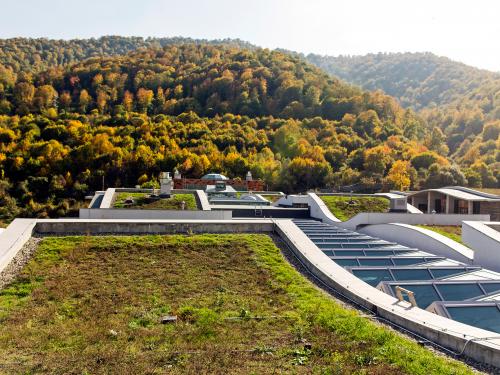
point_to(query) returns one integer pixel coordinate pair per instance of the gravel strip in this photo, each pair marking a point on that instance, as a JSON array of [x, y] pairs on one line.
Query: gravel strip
[[22, 257]]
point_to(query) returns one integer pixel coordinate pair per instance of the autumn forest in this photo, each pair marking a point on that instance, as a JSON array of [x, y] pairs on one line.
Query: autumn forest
[[75, 115]]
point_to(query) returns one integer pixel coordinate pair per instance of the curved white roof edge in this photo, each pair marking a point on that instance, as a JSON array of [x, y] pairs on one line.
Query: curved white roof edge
[[476, 343], [485, 228], [458, 247], [460, 193]]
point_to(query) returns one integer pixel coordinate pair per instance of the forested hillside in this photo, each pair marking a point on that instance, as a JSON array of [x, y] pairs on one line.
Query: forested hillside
[[203, 107], [464, 102], [36, 55]]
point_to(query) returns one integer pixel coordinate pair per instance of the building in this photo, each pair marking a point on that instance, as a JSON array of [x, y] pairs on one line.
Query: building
[[456, 200], [221, 190], [248, 184]]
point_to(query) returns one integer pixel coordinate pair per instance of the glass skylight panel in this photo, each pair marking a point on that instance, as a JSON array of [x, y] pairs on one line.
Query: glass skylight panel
[[444, 272], [375, 262], [406, 261], [348, 253], [346, 262], [459, 292], [486, 317], [381, 252], [490, 287], [373, 277], [411, 274], [424, 294]]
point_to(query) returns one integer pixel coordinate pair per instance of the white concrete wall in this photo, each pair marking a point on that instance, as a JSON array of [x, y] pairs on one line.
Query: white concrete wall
[[120, 213], [476, 343], [370, 218], [485, 241], [423, 239], [203, 200], [108, 199], [319, 210], [13, 238]]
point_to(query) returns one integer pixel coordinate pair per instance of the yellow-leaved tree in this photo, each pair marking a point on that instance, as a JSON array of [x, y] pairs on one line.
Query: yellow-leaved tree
[[399, 175]]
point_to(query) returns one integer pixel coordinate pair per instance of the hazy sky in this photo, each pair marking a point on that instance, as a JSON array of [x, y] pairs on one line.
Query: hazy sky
[[464, 30]]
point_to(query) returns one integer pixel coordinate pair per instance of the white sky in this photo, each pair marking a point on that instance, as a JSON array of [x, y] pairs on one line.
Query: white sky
[[464, 30]]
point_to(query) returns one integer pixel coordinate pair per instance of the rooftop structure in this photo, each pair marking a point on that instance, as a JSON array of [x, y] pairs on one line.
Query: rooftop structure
[[456, 200], [220, 189], [215, 177]]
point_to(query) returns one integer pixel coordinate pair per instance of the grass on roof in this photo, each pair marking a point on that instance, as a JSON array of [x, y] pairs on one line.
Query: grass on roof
[[341, 207], [451, 231], [92, 305], [141, 202], [495, 191]]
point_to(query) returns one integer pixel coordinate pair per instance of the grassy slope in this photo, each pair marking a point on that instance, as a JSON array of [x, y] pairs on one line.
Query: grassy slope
[[172, 203], [340, 207], [451, 231], [91, 305]]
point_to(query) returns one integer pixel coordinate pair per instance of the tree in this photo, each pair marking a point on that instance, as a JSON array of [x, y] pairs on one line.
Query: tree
[[102, 100], [440, 176], [399, 175], [45, 97], [302, 174], [376, 160], [437, 141], [23, 96], [144, 99], [84, 100], [65, 100], [128, 101]]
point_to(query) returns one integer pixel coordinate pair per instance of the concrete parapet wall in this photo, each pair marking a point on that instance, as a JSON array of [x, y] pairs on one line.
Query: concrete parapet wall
[[478, 344], [423, 239], [132, 227], [120, 213], [485, 241]]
